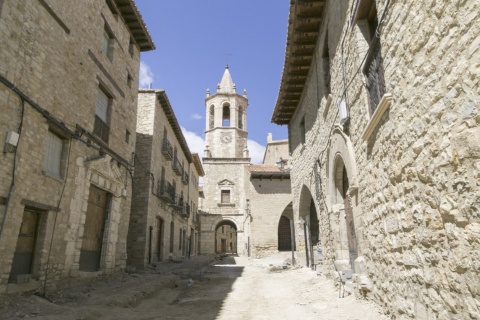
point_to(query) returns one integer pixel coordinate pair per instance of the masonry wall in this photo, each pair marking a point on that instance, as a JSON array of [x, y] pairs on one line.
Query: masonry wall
[[147, 206], [414, 181], [53, 56], [269, 200]]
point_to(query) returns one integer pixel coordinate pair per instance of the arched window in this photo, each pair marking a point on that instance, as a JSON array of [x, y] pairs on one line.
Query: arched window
[[211, 122], [240, 118], [226, 115]]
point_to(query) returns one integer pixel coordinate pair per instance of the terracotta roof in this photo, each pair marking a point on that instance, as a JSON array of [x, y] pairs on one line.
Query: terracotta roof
[[304, 21], [267, 171], [134, 21]]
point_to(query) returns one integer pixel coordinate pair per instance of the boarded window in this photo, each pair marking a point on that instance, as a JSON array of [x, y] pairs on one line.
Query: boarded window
[[53, 154], [225, 196]]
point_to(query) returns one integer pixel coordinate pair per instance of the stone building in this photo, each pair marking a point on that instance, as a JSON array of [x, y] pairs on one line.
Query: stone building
[[242, 204], [164, 219], [225, 157], [381, 100], [270, 201], [68, 95]]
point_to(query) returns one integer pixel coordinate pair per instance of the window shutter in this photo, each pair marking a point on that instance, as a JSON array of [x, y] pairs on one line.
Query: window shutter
[[102, 105], [53, 155]]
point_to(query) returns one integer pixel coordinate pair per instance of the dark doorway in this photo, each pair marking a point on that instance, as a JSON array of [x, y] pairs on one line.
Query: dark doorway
[[226, 237], [158, 253], [23, 258], [284, 234], [91, 252]]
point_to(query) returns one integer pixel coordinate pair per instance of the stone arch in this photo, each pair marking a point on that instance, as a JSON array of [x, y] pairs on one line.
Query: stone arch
[[308, 226], [284, 231], [226, 239], [226, 114], [342, 185]]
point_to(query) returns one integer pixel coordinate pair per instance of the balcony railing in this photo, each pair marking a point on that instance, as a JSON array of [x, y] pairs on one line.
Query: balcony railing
[[177, 166], [165, 190], [185, 178], [374, 75], [167, 149]]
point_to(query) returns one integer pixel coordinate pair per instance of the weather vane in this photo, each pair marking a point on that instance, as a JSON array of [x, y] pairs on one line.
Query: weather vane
[[226, 55]]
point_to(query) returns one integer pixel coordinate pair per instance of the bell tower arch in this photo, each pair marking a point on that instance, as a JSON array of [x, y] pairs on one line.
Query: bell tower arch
[[226, 127]]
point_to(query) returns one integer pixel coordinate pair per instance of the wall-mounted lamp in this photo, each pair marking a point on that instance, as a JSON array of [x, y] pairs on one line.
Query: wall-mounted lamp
[[281, 163]]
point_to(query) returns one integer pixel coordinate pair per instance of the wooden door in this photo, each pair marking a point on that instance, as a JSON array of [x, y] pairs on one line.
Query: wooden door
[[284, 234], [24, 252], [91, 251]]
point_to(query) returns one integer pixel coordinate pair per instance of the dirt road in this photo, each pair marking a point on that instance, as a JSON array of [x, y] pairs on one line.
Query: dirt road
[[232, 288]]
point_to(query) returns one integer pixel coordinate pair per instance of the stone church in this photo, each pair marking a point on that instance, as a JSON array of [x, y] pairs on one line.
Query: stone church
[[243, 204]]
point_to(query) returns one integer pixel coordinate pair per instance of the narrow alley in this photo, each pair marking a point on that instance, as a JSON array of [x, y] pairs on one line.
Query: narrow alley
[[199, 288]]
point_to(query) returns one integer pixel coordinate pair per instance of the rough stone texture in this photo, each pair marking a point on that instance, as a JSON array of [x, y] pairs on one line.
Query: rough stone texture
[[54, 57], [149, 208], [414, 185]]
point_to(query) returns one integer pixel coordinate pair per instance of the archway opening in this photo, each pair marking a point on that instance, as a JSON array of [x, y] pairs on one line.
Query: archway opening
[[226, 115], [342, 186], [311, 227], [285, 228], [226, 237]]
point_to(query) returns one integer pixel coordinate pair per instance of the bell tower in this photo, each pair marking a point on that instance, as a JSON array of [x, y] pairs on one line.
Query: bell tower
[[226, 121]]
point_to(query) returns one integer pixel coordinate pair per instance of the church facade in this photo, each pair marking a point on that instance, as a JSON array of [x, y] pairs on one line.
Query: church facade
[[238, 214]]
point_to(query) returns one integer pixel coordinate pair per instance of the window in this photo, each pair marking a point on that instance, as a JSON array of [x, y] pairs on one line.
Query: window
[[107, 43], [225, 196], [326, 67], [53, 155], [302, 130], [129, 80], [212, 118], [367, 22], [226, 116], [127, 136], [131, 47], [101, 128]]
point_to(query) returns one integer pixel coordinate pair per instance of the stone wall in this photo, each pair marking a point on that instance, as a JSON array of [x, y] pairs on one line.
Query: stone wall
[[413, 180], [51, 54], [148, 206]]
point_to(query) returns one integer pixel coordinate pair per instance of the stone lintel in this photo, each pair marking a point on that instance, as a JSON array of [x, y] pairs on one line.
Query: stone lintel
[[38, 205]]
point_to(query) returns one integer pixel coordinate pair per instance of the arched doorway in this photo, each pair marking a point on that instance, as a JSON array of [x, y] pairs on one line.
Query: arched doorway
[[226, 237], [285, 226], [310, 225], [342, 186]]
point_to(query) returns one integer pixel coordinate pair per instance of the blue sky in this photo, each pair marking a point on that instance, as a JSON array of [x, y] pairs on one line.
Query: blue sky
[[196, 39]]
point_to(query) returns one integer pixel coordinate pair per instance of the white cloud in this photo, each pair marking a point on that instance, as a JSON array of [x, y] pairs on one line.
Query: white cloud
[[196, 116], [256, 151], [146, 75], [195, 142]]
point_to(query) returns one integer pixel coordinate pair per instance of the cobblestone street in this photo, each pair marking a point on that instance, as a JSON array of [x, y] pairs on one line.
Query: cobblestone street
[[231, 288]]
